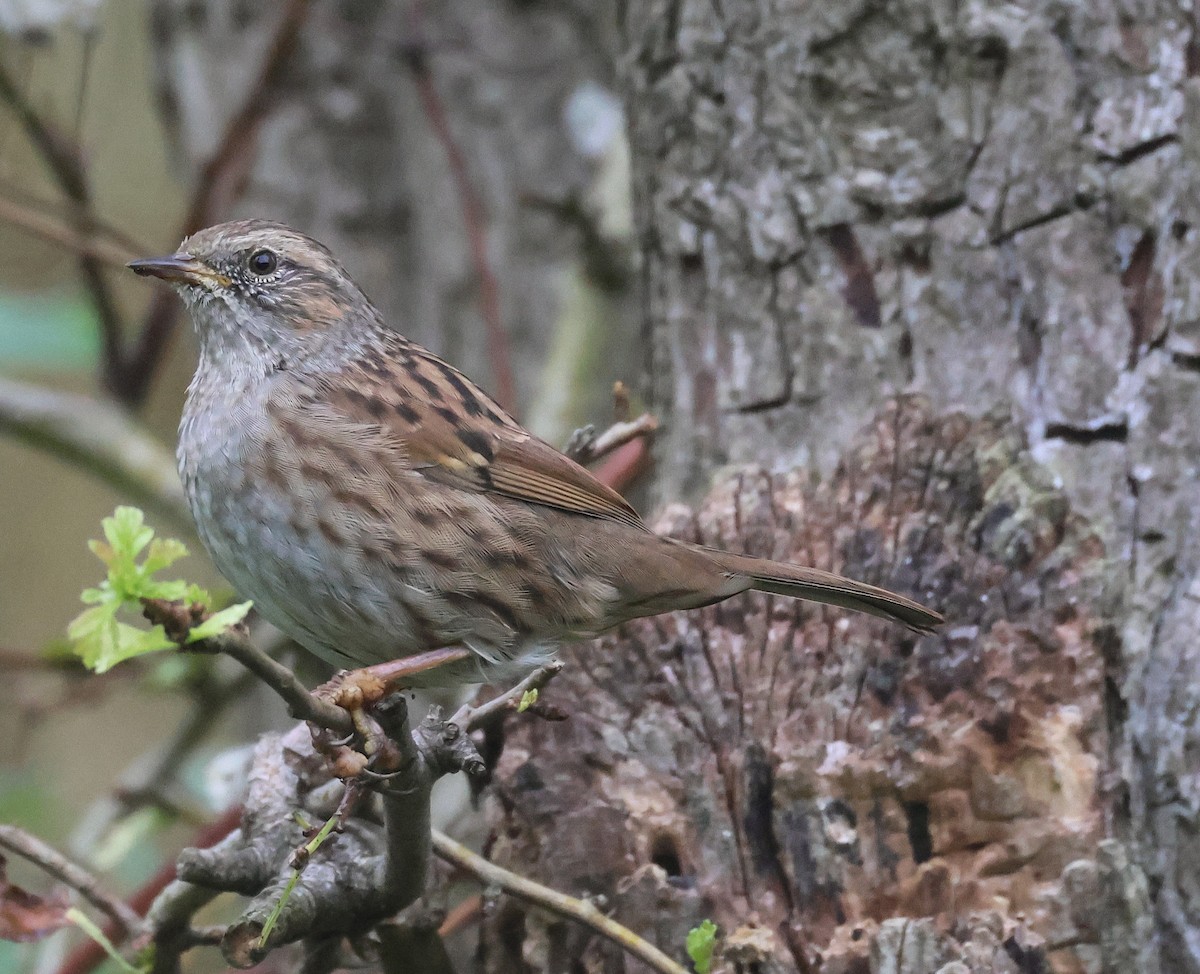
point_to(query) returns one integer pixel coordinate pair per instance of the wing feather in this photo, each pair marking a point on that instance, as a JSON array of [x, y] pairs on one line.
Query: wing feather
[[450, 430]]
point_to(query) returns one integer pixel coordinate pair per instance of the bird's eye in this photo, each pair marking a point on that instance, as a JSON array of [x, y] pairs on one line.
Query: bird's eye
[[262, 262]]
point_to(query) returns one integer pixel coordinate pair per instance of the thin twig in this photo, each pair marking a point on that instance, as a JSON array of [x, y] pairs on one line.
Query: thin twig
[[61, 868], [469, 718], [587, 446], [89, 955], [63, 158], [472, 216], [468, 912], [566, 906], [84, 241], [220, 182], [235, 643]]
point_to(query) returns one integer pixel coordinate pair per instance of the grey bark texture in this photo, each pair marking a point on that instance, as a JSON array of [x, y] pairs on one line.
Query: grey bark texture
[[995, 206]]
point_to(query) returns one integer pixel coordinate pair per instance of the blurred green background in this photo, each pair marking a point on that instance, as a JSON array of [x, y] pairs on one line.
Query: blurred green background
[[65, 735]]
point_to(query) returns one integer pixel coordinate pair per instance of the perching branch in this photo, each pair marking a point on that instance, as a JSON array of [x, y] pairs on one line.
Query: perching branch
[[570, 907], [177, 619], [470, 718], [63, 869], [359, 876]]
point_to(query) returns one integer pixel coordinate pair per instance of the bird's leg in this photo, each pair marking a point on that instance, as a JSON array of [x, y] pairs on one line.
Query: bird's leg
[[354, 689], [360, 692]]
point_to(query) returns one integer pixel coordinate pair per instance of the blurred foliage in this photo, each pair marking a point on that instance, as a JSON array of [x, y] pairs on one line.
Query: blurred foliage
[[47, 331]]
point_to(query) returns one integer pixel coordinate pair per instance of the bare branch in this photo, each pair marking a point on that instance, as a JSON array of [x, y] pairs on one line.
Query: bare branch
[[586, 446], [62, 156], [97, 437], [469, 718], [64, 870], [566, 906], [177, 619], [92, 242]]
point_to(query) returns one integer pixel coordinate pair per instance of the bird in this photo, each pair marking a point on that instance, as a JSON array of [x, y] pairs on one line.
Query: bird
[[375, 503]]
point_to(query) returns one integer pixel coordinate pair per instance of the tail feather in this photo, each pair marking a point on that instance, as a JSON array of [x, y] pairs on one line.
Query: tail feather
[[798, 582]]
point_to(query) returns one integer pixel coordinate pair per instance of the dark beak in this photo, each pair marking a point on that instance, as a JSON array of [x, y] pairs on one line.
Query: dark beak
[[179, 269]]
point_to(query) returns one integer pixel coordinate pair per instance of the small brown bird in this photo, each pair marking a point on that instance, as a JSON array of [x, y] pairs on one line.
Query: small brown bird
[[375, 503]]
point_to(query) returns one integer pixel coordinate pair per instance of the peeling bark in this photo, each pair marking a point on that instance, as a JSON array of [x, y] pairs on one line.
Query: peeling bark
[[812, 777]]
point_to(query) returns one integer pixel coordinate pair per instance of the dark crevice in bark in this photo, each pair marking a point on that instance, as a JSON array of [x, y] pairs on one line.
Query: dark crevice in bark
[[1135, 152], [859, 286], [1113, 432], [916, 815], [1057, 213], [1143, 295]]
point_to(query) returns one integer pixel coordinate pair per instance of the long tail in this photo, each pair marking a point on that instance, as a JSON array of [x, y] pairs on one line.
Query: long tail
[[798, 582]]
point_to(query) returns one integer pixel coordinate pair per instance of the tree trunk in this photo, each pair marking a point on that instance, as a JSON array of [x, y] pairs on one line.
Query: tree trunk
[[994, 207]]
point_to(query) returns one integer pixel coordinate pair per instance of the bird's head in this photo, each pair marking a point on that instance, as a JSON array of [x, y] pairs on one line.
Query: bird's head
[[260, 283]]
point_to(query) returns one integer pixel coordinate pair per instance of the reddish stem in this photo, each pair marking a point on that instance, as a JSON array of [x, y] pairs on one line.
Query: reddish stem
[[473, 224]]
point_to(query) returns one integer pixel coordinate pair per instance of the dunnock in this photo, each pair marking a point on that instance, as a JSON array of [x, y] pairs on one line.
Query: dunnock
[[375, 503]]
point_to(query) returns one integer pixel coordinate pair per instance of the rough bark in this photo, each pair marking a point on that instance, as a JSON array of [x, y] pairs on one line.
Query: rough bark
[[995, 205], [807, 779]]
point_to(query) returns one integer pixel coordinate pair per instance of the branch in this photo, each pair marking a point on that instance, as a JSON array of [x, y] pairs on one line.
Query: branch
[[168, 923], [469, 718], [566, 906], [99, 438], [355, 878], [177, 619], [161, 893], [586, 446], [62, 156], [221, 181], [61, 868], [101, 244]]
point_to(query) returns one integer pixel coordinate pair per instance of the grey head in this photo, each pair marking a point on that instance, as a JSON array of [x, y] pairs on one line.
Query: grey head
[[254, 286]]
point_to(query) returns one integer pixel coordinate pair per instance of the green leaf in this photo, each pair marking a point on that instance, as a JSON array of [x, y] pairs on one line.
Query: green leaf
[[102, 551], [528, 699], [127, 532], [119, 641], [218, 622], [150, 588], [93, 633], [194, 593], [98, 635], [701, 941], [163, 553]]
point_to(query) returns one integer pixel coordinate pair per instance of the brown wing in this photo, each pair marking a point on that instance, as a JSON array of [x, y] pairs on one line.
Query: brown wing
[[453, 432]]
